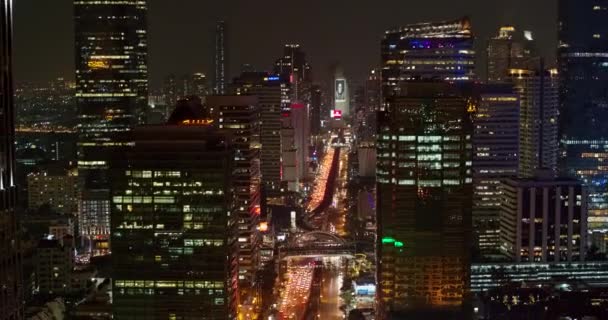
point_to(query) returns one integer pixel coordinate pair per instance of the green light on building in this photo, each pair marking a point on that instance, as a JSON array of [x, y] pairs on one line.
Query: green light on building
[[398, 244], [387, 240]]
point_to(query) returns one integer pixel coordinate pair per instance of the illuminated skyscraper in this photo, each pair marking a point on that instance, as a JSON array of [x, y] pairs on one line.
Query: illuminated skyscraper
[[424, 199], [272, 93], [221, 59], [171, 209], [111, 95], [538, 95], [583, 73], [509, 49], [434, 50], [11, 289], [495, 158]]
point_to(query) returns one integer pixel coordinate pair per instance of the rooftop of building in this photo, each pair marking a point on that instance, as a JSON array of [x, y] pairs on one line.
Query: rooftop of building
[[439, 29], [188, 108], [543, 177]]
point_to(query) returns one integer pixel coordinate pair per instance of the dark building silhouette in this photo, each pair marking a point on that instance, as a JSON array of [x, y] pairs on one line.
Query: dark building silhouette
[[11, 290], [171, 205], [583, 74], [424, 199]]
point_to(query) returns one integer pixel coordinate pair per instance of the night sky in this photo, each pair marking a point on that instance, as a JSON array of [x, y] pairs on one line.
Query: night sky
[[349, 32]]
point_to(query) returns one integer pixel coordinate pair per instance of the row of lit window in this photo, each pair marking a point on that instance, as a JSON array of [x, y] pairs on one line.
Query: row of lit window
[[168, 284]]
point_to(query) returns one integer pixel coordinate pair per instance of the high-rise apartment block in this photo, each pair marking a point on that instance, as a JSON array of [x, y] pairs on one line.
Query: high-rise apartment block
[[56, 187]]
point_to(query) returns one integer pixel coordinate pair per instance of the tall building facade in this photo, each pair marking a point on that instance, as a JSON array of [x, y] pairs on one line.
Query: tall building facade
[[272, 94], [539, 103], [221, 59], [111, 97], [54, 264], [11, 288], [301, 125], [238, 117], [583, 73], [543, 219], [434, 50], [424, 199], [495, 158], [172, 210], [509, 49]]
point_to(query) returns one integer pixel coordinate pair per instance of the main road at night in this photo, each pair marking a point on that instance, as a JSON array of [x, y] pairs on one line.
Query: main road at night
[[308, 294]]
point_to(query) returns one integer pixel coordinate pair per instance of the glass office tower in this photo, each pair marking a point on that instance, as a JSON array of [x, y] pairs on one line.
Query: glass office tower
[[424, 199], [111, 95], [583, 72], [172, 209], [432, 50]]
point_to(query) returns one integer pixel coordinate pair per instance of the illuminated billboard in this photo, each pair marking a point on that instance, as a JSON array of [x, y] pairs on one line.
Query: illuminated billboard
[[336, 114], [340, 87]]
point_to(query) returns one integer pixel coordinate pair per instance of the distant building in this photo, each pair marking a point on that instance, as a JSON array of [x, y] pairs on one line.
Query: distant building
[[509, 49], [289, 165], [177, 88], [293, 67], [424, 198], [543, 219], [221, 73], [341, 95], [56, 187], [300, 121], [171, 219], [315, 110]]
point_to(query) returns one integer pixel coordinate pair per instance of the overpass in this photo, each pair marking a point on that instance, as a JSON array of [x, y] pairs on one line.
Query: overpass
[[316, 244]]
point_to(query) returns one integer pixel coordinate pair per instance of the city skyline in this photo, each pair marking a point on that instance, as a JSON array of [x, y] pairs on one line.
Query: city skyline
[[395, 160], [343, 32]]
